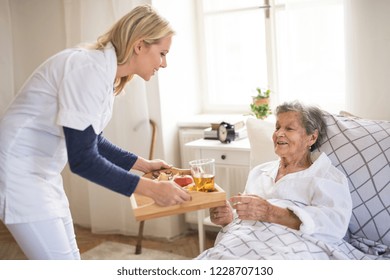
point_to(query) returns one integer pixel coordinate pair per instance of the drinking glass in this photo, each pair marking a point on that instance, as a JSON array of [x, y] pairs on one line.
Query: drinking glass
[[203, 172]]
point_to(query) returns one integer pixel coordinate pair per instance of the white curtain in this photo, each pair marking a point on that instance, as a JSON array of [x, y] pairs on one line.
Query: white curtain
[[367, 40], [31, 31], [6, 57]]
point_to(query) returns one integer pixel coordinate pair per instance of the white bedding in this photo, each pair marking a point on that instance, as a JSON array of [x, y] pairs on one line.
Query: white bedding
[[258, 240]]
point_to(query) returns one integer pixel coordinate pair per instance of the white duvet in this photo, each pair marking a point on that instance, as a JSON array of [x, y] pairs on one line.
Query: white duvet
[[253, 240]]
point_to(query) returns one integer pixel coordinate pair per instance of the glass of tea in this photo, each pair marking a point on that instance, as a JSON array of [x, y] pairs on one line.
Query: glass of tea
[[203, 172]]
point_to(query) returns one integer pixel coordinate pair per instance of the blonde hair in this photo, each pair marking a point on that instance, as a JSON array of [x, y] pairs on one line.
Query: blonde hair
[[143, 22]]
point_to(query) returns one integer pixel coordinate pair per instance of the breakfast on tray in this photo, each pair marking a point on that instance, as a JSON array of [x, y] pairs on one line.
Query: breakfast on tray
[[183, 178], [203, 196]]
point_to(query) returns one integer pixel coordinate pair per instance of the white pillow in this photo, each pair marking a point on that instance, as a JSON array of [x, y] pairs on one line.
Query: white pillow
[[260, 140], [360, 148]]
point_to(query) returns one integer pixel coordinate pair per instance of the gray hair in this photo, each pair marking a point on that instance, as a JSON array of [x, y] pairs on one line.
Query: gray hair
[[311, 118]]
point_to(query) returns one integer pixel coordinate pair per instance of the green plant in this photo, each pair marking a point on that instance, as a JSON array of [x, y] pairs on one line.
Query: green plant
[[260, 105], [262, 94]]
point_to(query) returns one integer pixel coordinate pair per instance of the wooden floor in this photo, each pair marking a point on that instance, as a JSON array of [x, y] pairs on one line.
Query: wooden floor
[[186, 245]]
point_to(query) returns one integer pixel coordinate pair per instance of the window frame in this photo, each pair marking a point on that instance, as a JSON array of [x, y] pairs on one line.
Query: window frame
[[272, 56], [270, 41]]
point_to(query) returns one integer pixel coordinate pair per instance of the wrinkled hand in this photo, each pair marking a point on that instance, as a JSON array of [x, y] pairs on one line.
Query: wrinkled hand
[[251, 207], [168, 193], [221, 215]]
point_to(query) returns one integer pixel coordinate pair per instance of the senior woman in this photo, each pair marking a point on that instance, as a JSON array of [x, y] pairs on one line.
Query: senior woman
[[296, 207]]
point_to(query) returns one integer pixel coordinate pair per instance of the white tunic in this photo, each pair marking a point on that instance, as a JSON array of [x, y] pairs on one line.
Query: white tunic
[[74, 88], [319, 196]]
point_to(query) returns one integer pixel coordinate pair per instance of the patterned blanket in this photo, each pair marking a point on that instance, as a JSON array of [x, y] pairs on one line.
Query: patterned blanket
[[259, 240]]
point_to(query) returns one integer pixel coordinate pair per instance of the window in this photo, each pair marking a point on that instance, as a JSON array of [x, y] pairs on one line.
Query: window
[[295, 48]]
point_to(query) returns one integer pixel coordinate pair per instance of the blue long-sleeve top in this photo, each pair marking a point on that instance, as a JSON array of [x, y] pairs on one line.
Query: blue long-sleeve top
[[93, 157]]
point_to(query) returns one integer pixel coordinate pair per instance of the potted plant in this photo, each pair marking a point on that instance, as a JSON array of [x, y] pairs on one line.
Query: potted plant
[[260, 103]]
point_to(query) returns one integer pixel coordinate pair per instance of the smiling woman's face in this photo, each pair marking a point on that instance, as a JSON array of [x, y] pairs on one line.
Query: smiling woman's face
[[148, 59], [290, 138]]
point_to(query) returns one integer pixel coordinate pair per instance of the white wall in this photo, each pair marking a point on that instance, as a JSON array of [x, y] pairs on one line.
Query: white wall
[[368, 58], [178, 90]]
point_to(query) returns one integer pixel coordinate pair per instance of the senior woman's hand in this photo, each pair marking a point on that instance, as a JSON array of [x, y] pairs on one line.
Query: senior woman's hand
[[221, 215], [253, 207]]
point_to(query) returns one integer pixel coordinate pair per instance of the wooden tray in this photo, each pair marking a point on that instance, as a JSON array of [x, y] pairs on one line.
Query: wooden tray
[[144, 208]]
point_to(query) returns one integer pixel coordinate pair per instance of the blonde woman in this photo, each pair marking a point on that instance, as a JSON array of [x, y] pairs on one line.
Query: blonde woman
[[59, 115]]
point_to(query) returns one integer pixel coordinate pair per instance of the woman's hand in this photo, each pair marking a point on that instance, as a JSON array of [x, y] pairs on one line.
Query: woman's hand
[[157, 164], [253, 207], [164, 193], [169, 193], [221, 215], [147, 166]]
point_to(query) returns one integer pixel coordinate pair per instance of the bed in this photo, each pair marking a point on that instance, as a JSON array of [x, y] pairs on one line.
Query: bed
[[360, 148]]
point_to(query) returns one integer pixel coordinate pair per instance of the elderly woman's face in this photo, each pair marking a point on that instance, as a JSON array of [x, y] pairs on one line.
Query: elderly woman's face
[[290, 138]]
